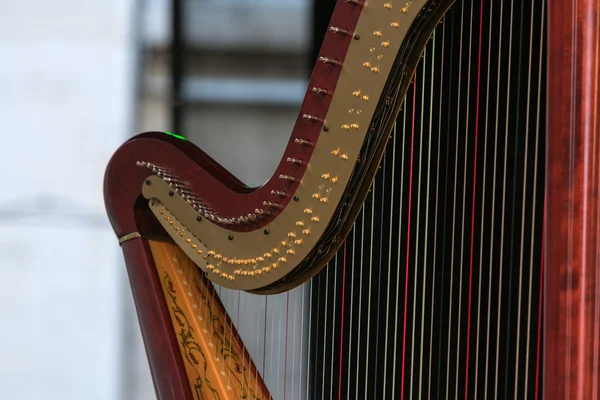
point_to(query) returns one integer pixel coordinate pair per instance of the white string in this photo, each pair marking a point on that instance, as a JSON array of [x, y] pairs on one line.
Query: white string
[[387, 311], [294, 292], [362, 246], [309, 336], [351, 304], [462, 234], [416, 278], [257, 341], [333, 327], [427, 210], [483, 197], [489, 313], [535, 165], [369, 295], [399, 247], [437, 182], [523, 200], [303, 289], [325, 329], [279, 342], [503, 208], [454, 222]]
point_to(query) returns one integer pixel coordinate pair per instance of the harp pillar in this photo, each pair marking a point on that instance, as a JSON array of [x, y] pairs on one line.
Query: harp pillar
[[572, 232]]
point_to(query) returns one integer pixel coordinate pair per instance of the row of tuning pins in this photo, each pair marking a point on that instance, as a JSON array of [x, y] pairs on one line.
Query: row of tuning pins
[[179, 188], [191, 199]]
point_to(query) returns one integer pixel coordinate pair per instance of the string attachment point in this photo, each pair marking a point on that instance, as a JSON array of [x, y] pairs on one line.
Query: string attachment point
[[310, 117], [327, 60], [303, 142], [294, 161], [270, 204], [320, 91], [287, 178], [279, 193], [341, 31]]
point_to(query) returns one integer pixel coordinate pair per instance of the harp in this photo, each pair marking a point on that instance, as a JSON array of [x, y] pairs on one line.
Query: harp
[[432, 230]]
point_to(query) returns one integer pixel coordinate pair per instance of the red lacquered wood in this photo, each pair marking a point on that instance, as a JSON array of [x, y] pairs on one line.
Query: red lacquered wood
[[217, 188], [572, 291], [168, 373]]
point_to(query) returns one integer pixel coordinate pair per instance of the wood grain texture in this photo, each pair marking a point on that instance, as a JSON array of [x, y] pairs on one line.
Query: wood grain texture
[[218, 366], [166, 365], [572, 265]]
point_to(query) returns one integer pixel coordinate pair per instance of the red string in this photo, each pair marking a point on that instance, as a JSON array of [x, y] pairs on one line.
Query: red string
[[473, 203], [412, 143], [342, 325], [539, 336]]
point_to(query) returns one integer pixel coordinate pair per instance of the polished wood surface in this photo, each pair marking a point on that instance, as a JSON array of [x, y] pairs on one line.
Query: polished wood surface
[[217, 364], [572, 234], [225, 194], [166, 365]]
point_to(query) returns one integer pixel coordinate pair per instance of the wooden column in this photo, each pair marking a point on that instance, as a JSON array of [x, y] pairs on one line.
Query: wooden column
[[572, 234]]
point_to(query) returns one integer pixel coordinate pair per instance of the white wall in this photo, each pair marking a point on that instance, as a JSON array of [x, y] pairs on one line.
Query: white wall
[[66, 96]]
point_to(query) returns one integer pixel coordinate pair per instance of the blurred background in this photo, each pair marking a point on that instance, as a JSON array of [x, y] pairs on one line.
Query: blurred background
[[77, 79]]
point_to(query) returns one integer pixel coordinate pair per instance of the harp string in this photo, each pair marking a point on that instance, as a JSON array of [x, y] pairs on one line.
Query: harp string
[[332, 360], [450, 330], [513, 221], [464, 194], [380, 258], [368, 342], [493, 219], [418, 225], [325, 330], [387, 308], [264, 342], [445, 218], [437, 182], [350, 348], [473, 200], [285, 358], [429, 142], [301, 353], [483, 198], [523, 213], [399, 236], [342, 324], [429, 355], [412, 143], [539, 331], [535, 174], [362, 247], [503, 213], [310, 318]]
